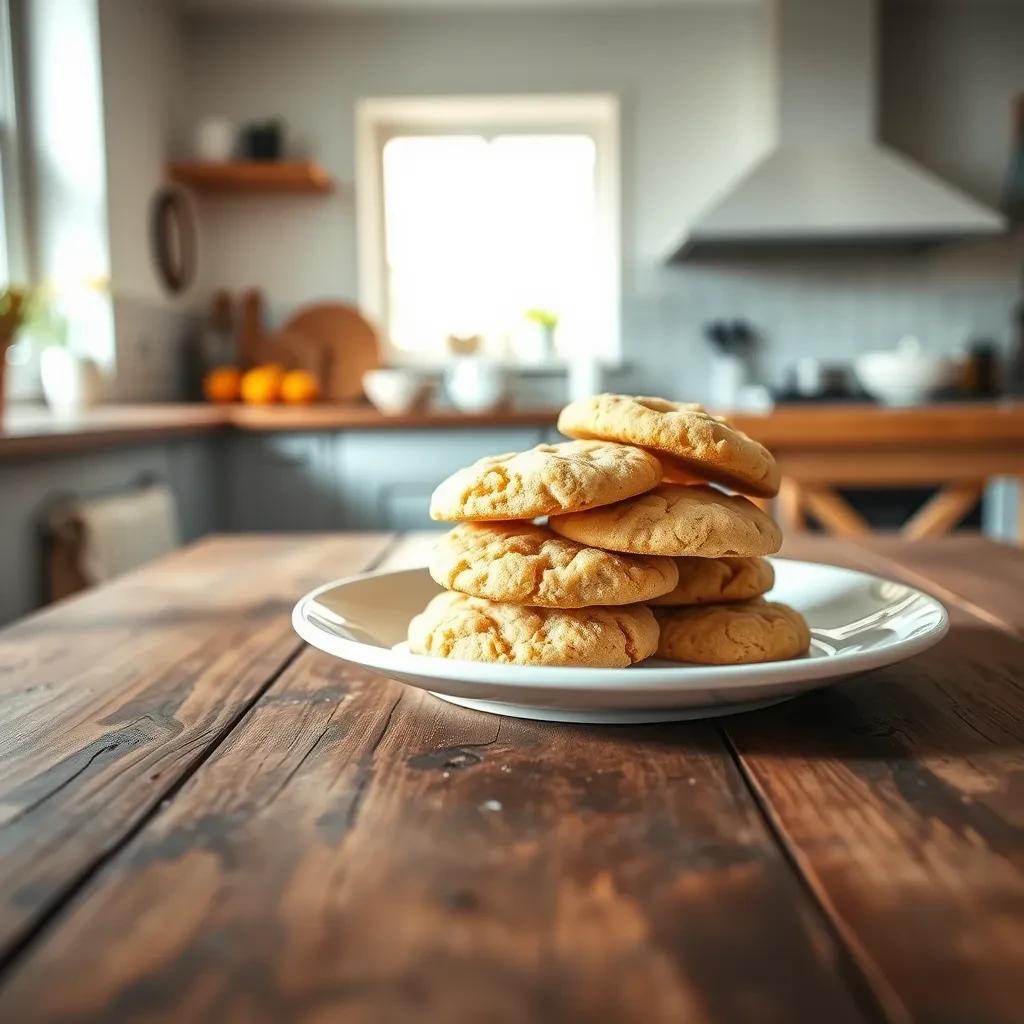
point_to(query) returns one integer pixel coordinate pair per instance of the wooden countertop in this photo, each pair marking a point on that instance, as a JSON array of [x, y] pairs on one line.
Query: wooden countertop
[[36, 432], [787, 426], [839, 425], [204, 819]]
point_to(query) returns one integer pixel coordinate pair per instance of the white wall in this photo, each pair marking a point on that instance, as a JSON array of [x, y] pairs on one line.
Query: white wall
[[143, 96], [689, 79]]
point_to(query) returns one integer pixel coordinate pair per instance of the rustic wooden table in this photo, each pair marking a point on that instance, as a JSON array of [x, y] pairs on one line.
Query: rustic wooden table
[[205, 820]]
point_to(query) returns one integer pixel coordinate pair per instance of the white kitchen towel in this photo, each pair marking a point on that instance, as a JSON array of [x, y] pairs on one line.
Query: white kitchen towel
[[120, 532]]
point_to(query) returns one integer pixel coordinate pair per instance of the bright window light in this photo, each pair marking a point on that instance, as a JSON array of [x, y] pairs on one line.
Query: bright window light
[[480, 229]]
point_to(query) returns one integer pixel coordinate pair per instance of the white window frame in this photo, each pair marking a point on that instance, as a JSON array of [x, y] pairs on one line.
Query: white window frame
[[378, 120], [23, 383], [12, 230]]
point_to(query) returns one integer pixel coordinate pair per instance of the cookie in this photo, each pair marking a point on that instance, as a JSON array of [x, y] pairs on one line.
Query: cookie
[[472, 629], [733, 634], [675, 520], [689, 440], [548, 479], [717, 580], [525, 564]]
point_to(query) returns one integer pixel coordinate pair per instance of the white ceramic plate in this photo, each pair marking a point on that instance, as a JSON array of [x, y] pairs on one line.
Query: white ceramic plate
[[858, 622]]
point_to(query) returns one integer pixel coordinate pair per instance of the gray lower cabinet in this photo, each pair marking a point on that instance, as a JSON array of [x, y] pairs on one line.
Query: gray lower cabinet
[[387, 476], [282, 482], [30, 488], [356, 480]]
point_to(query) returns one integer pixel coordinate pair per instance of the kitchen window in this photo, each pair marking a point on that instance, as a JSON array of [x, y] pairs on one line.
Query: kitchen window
[[491, 217]]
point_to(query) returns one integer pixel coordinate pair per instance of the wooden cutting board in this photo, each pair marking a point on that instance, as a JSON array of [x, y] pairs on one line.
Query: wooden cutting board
[[351, 342], [293, 352]]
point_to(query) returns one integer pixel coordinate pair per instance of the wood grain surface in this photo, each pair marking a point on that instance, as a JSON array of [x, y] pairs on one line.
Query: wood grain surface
[[108, 700], [326, 845]]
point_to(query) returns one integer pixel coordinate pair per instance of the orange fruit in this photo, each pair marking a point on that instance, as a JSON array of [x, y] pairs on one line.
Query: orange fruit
[[222, 384], [299, 387], [262, 384]]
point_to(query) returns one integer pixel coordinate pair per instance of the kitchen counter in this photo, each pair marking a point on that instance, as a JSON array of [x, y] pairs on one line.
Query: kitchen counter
[[31, 432], [36, 432], [206, 819], [820, 448]]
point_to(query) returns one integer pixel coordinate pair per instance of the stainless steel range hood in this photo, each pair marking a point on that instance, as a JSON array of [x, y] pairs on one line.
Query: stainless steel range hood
[[827, 182]]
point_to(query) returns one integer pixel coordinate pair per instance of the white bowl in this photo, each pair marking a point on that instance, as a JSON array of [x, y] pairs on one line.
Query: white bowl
[[905, 375], [858, 622], [394, 391]]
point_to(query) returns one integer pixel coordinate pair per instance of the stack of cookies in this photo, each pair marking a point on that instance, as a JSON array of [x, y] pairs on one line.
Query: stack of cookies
[[640, 555]]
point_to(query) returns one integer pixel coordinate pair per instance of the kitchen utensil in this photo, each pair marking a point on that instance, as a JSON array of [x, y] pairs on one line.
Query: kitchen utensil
[[395, 390], [212, 345], [292, 351], [732, 362], [250, 327], [731, 337], [906, 375], [981, 369], [858, 622], [350, 341]]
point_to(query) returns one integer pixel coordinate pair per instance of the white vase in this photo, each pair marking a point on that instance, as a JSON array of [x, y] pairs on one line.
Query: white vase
[[70, 382], [585, 377], [215, 140], [474, 384], [729, 375]]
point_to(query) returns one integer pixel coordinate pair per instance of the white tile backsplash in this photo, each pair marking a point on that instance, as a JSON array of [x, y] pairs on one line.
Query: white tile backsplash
[[832, 308]]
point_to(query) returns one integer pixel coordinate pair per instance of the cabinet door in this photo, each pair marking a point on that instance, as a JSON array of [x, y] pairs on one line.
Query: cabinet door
[[387, 476], [30, 488], [282, 482]]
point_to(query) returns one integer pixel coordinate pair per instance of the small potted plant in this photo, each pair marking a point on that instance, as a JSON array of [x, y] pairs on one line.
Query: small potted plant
[[547, 324], [13, 308]]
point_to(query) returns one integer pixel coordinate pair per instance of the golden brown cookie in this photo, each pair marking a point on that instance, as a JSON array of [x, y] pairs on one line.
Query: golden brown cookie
[[550, 478], [676, 520], [472, 629], [688, 439], [521, 563], [733, 634], [718, 580]]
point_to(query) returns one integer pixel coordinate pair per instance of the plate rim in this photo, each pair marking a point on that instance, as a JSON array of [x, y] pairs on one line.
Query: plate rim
[[670, 678]]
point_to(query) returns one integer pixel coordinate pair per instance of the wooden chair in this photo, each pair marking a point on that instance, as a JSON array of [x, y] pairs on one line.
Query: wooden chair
[[939, 515]]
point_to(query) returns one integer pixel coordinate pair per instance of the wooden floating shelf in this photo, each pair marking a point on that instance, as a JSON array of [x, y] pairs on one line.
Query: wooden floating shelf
[[253, 176]]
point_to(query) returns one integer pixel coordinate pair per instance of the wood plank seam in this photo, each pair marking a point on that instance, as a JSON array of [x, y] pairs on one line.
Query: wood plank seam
[[888, 996], [867, 984], [10, 956]]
